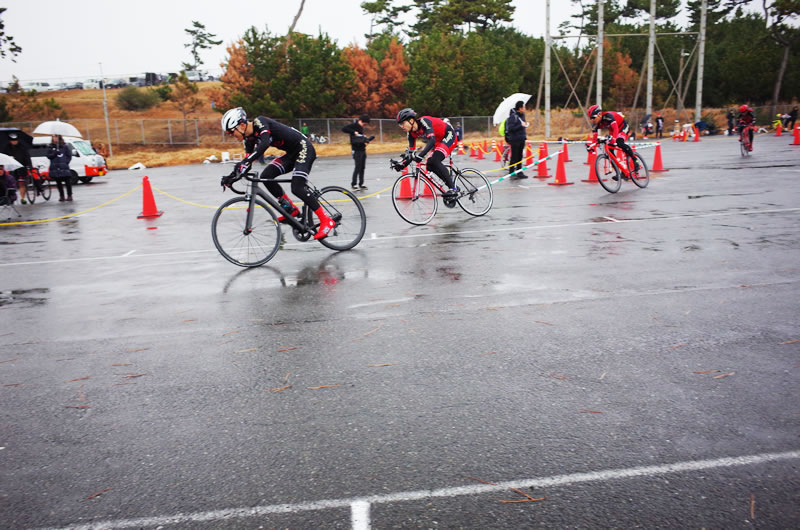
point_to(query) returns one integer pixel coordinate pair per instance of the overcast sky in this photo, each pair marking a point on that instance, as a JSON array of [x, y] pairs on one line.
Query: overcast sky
[[68, 40]]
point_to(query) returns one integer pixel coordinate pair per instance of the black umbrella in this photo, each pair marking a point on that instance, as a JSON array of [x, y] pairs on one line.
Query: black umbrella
[[24, 137]]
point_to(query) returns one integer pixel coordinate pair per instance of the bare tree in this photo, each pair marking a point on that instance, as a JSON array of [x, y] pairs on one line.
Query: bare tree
[[291, 29]]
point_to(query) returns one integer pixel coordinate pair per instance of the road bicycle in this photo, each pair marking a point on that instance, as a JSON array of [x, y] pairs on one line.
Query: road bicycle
[[414, 195], [36, 183], [247, 233], [505, 156], [745, 141], [613, 164]]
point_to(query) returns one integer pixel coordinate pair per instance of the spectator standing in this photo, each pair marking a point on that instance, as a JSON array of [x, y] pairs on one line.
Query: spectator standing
[[659, 126], [60, 155], [516, 134], [731, 117], [792, 119], [459, 133], [304, 129], [358, 144], [7, 182], [18, 151]]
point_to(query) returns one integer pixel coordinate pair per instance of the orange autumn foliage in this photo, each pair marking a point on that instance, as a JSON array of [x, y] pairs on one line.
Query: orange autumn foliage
[[237, 76]]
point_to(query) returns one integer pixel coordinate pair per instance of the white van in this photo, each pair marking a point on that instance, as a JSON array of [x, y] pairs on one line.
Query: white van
[[39, 86], [85, 164]]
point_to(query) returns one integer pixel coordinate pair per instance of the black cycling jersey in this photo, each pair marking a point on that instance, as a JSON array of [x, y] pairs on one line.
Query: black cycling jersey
[[268, 132]]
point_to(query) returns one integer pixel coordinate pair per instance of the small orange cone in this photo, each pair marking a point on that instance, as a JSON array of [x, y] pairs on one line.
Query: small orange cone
[[405, 188], [544, 150], [485, 147], [561, 175], [148, 201], [566, 151], [541, 169], [779, 131], [696, 134], [479, 150], [472, 150], [796, 136], [461, 148], [589, 159], [528, 155], [497, 156], [658, 166], [592, 173]]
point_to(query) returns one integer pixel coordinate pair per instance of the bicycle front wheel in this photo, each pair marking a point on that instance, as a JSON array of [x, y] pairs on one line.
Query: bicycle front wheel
[[238, 244], [348, 214], [414, 199], [642, 177], [30, 189], [475, 193], [607, 173]]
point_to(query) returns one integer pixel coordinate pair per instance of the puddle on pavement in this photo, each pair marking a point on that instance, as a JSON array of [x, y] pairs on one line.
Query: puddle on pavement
[[23, 296]]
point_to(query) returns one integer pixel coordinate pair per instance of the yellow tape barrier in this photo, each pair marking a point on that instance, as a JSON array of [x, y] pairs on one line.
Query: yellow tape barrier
[[72, 214]]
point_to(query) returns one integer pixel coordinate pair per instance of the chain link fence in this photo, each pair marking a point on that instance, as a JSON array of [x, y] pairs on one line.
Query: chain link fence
[[200, 132]]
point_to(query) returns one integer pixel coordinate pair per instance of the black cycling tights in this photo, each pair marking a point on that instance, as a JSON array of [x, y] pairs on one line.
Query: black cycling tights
[[625, 148], [435, 165], [299, 188]]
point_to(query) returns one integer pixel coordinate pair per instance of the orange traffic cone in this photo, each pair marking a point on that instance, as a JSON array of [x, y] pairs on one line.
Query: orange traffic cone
[[528, 155], [592, 173], [589, 159], [796, 136], [148, 201], [461, 148], [479, 150], [485, 147], [541, 170], [566, 151], [405, 188], [405, 171], [544, 149], [561, 175], [696, 134], [472, 150], [658, 166], [497, 156], [778, 131]]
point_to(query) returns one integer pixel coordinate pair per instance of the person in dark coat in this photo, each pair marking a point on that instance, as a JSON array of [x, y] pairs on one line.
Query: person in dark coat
[[792, 119], [60, 155], [731, 117], [358, 143], [516, 135], [19, 152]]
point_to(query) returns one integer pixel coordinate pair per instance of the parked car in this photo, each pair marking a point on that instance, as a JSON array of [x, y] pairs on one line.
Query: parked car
[[75, 85], [39, 86], [116, 83], [85, 164]]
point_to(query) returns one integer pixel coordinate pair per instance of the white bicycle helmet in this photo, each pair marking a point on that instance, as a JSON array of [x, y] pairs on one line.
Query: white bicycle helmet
[[233, 118]]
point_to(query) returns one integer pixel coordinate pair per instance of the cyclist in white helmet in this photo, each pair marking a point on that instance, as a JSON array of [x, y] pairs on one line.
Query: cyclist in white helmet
[[258, 135]]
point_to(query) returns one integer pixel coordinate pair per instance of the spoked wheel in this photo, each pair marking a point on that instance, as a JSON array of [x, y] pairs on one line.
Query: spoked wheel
[[238, 245], [607, 173], [346, 210], [44, 187], [30, 189], [475, 193], [743, 148], [642, 177], [414, 199]]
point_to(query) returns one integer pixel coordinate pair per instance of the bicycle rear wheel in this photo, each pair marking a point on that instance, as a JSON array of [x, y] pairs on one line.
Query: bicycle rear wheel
[[414, 199], [476, 196], [642, 178], [238, 245], [607, 173], [44, 187], [348, 213]]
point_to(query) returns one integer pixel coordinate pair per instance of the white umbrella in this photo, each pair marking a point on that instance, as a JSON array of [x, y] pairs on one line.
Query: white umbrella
[[57, 127], [10, 163], [505, 107]]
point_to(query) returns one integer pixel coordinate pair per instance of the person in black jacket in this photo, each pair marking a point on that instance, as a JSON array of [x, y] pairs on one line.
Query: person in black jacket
[[60, 155], [358, 143], [19, 152], [792, 119], [516, 135]]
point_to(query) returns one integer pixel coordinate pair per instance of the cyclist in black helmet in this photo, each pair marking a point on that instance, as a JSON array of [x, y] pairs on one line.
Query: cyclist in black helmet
[[262, 133]]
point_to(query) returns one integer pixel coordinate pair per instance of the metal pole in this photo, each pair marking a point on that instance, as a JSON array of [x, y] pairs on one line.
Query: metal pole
[[329, 130], [144, 141], [599, 53], [196, 133], [650, 51], [169, 127], [547, 71], [105, 113], [380, 128], [700, 59]]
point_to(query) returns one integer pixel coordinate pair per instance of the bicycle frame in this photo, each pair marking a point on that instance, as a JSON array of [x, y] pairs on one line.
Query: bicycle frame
[[253, 190], [614, 152]]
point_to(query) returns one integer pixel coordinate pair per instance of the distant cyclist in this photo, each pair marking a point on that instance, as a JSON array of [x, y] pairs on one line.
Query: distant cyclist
[[258, 135], [618, 130], [746, 117], [439, 136]]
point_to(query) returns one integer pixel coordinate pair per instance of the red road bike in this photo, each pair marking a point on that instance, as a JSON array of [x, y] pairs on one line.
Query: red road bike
[[613, 164], [745, 139]]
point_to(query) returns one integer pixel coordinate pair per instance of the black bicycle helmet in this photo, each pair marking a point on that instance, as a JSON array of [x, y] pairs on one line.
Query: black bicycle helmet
[[406, 114]]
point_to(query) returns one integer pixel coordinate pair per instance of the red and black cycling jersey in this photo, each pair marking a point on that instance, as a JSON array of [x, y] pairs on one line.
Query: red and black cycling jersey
[[268, 132], [615, 123], [746, 118], [435, 131]]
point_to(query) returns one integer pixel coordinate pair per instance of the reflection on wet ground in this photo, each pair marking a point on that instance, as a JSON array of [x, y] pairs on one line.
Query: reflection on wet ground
[[24, 296]]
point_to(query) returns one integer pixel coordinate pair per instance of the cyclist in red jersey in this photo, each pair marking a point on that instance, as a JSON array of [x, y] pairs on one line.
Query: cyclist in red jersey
[[618, 130], [746, 117], [440, 137]]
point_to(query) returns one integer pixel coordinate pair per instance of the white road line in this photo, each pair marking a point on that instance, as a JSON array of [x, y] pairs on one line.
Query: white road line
[[128, 253], [356, 504], [439, 234], [360, 515], [611, 219]]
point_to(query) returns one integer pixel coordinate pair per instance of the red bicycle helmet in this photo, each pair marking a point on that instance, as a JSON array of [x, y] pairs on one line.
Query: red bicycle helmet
[[593, 111], [744, 108]]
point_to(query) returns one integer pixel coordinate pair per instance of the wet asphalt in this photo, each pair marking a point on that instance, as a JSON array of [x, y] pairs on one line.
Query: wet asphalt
[[145, 381]]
